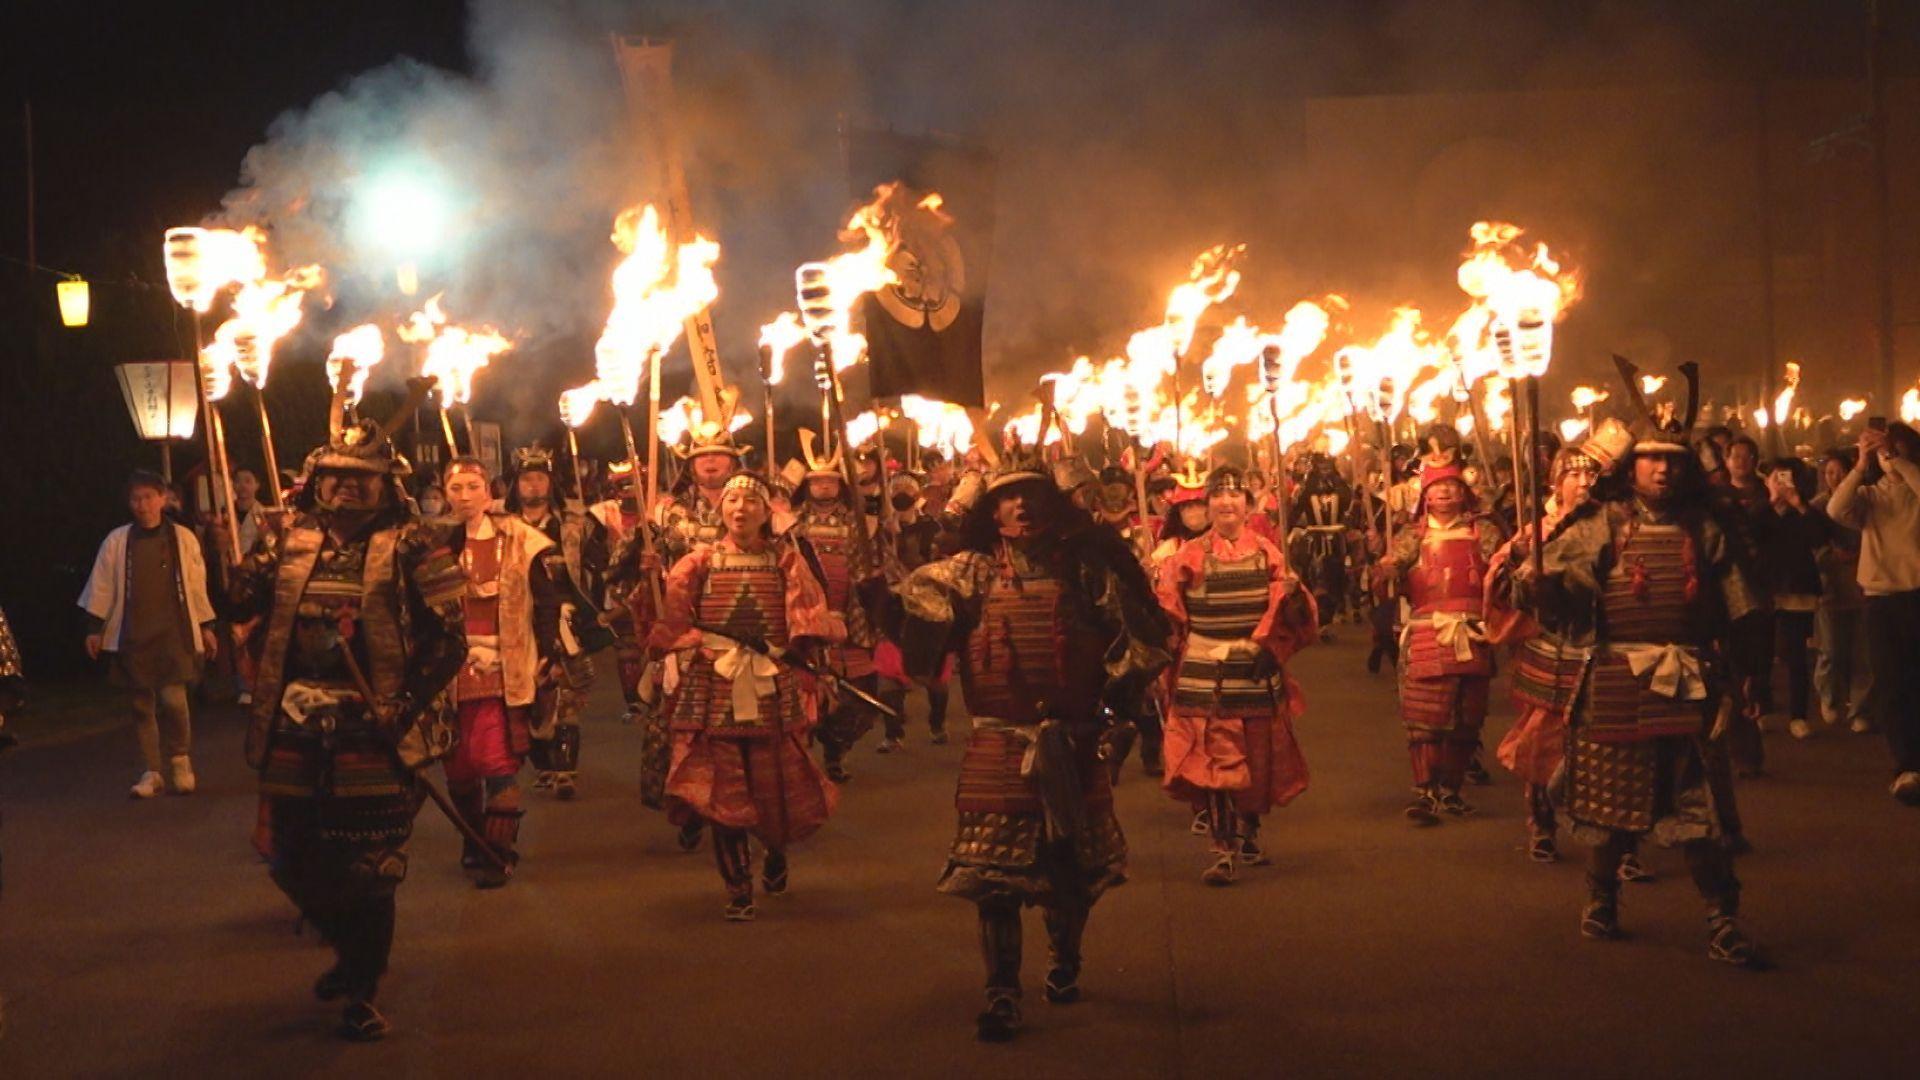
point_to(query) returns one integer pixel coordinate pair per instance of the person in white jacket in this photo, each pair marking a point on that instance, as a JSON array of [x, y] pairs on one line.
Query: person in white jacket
[[148, 610], [1886, 510]]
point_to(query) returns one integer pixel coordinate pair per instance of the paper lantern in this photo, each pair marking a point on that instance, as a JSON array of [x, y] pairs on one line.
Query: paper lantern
[[76, 301], [161, 398]]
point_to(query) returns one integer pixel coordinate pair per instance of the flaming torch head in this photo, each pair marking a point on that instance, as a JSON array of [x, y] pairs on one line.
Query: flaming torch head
[[1270, 374], [813, 286]]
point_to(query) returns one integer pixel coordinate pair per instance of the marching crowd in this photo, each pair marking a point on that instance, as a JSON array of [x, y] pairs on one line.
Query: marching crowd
[[1674, 597]]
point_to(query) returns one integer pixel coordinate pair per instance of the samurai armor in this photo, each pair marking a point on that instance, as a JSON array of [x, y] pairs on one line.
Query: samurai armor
[[1622, 706], [1653, 583], [1012, 662], [1547, 673], [744, 595], [1225, 608], [1652, 786], [830, 534]]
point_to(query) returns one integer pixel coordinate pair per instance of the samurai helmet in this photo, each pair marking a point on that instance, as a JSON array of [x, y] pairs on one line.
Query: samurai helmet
[[707, 437], [1654, 432], [535, 458], [1440, 447], [792, 475], [1017, 464], [825, 464], [1605, 448], [1434, 475], [364, 446], [1189, 484]]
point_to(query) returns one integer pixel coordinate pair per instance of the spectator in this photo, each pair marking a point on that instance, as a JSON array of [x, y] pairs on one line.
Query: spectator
[[1881, 497], [1749, 509], [1794, 579], [148, 610], [433, 504], [1842, 675]]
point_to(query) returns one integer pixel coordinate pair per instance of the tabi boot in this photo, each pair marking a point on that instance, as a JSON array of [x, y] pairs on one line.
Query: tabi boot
[[1726, 942], [1424, 810], [1000, 1021], [1600, 920]]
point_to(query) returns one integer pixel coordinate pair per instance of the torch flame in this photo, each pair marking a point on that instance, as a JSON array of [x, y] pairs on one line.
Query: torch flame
[[1783, 402], [1852, 407], [576, 405], [780, 337], [365, 347], [938, 425], [1586, 397], [656, 287], [685, 415], [453, 354], [1651, 384], [862, 428]]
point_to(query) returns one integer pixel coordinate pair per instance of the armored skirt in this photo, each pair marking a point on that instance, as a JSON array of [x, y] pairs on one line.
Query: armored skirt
[[768, 786], [1008, 847], [1547, 675]]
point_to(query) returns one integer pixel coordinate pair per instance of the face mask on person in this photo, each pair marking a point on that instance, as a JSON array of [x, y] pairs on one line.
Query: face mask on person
[[903, 502]]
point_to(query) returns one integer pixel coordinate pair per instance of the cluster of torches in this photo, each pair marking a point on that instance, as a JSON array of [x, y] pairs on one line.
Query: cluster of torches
[[1487, 364]]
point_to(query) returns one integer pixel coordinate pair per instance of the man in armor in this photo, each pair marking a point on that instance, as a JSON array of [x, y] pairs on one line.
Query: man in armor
[[1230, 748], [1051, 619], [1323, 514], [917, 539], [1547, 668], [364, 630], [1439, 562], [681, 522], [561, 694], [826, 526], [619, 520], [1114, 506], [738, 709], [512, 607], [1648, 581]]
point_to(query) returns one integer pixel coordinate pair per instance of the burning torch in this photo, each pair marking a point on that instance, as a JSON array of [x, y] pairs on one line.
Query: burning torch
[[820, 316], [1270, 376], [194, 284]]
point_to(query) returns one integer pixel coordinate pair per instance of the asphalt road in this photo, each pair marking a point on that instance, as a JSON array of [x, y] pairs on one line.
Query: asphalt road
[[145, 939]]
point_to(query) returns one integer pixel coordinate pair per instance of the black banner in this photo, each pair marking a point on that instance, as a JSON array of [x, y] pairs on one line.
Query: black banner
[[923, 334]]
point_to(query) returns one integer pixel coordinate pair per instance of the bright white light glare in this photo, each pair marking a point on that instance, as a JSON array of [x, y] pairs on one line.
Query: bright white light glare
[[403, 211]]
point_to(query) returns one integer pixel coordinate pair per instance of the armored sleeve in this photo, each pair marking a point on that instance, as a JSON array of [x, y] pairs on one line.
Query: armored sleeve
[[936, 609], [249, 591], [547, 579], [1572, 562], [435, 587], [1139, 628]]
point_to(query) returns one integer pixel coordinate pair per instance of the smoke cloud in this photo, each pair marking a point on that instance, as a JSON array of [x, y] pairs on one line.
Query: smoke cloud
[[1129, 138]]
